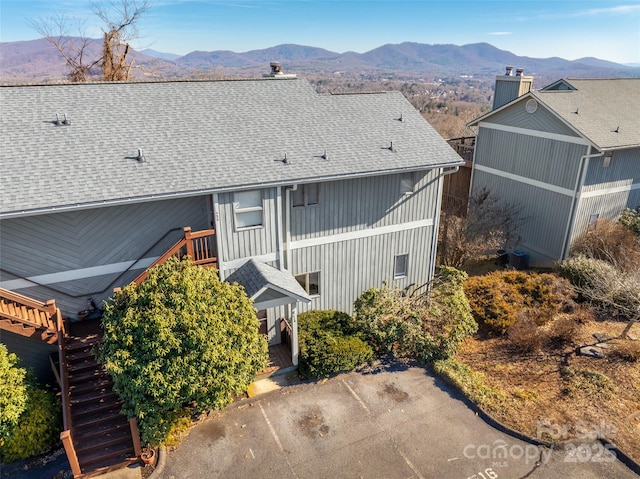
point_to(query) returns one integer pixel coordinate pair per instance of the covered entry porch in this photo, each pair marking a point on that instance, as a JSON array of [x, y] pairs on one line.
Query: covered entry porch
[[275, 295]]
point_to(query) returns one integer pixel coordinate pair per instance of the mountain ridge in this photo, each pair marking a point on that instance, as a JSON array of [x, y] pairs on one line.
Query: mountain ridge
[[38, 60]]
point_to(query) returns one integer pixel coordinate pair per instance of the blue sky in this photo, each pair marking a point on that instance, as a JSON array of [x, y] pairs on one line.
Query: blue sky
[[605, 29]]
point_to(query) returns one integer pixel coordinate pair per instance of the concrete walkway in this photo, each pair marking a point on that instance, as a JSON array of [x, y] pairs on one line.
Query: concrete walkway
[[399, 423]]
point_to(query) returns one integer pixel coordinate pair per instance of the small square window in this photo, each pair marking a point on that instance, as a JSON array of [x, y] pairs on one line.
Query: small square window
[[407, 183], [593, 221], [247, 206], [401, 263], [310, 282], [305, 195], [606, 161]]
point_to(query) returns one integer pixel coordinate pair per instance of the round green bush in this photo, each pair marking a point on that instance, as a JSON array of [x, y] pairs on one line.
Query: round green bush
[[326, 345], [13, 392], [38, 428]]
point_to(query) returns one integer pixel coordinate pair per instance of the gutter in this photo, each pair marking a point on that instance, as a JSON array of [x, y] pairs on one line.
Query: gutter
[[582, 173]]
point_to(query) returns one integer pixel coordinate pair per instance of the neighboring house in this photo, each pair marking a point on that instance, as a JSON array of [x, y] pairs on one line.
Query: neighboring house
[[568, 154], [98, 180]]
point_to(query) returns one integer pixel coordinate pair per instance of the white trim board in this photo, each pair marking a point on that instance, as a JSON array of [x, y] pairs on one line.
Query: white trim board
[[523, 179], [75, 274], [610, 191], [358, 234], [535, 133]]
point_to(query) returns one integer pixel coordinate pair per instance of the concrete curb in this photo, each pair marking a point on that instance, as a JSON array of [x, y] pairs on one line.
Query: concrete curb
[[162, 459], [493, 422]]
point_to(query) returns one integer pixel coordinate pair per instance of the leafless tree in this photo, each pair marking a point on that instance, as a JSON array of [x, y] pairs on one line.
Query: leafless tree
[[484, 225], [120, 19]]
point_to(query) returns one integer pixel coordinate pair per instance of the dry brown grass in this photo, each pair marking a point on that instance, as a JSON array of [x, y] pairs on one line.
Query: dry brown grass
[[551, 383]]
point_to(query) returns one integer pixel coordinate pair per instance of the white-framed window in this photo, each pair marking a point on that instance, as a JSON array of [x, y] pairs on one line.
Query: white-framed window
[[407, 183], [606, 161], [593, 220], [305, 195], [400, 266], [310, 282], [247, 206]]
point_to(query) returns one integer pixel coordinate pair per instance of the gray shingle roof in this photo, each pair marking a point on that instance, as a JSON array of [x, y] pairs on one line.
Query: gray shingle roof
[[197, 137], [603, 105], [254, 276]]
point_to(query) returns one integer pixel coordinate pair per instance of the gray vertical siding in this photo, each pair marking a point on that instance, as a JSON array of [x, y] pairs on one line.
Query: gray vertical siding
[[347, 268], [63, 242], [357, 204], [546, 213], [236, 244], [623, 170], [541, 159], [541, 120]]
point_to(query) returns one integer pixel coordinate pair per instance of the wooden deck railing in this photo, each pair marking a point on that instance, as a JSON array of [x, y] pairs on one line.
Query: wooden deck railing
[[200, 246], [286, 331], [35, 314], [65, 435], [464, 146]]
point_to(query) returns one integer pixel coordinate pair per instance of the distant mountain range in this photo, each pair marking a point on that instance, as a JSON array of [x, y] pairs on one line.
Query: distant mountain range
[[37, 60]]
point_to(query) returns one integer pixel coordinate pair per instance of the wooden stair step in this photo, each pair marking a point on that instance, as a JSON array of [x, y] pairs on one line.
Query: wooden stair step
[[104, 457], [76, 343], [87, 435], [83, 409], [83, 376], [93, 395], [79, 355], [121, 439], [99, 382], [83, 365], [109, 416]]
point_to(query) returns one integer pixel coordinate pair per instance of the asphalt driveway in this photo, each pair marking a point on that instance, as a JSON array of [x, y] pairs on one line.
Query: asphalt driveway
[[398, 423]]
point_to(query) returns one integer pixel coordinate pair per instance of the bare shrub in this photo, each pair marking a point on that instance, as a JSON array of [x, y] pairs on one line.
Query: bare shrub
[[524, 334], [626, 350], [564, 330], [609, 241]]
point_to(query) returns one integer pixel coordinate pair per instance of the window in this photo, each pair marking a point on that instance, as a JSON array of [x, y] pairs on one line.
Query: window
[[606, 161], [310, 282], [305, 195], [407, 183], [593, 220], [400, 265], [247, 206]]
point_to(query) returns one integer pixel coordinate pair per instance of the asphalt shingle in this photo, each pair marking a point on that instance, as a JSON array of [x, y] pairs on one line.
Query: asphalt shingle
[[196, 137]]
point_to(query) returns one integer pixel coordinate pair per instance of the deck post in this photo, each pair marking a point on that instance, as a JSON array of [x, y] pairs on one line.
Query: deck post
[[294, 334], [65, 437], [189, 242], [135, 436]]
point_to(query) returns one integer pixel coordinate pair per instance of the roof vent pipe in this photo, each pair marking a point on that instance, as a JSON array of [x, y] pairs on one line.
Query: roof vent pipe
[[509, 71]]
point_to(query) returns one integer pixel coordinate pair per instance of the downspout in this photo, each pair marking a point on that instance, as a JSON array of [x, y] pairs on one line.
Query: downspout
[[582, 173], [216, 219], [436, 222], [287, 222], [279, 229]]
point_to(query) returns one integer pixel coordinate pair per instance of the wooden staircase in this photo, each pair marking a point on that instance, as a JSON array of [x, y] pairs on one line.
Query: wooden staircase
[[28, 317], [103, 438]]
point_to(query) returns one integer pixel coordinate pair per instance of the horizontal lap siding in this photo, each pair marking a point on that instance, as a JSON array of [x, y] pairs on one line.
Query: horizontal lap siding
[[33, 354], [69, 241], [347, 268]]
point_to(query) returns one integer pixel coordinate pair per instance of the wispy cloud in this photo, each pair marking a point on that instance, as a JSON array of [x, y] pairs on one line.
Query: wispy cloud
[[617, 10], [499, 33]]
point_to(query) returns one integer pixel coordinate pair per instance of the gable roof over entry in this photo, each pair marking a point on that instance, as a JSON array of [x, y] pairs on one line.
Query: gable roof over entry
[[267, 286], [118, 143]]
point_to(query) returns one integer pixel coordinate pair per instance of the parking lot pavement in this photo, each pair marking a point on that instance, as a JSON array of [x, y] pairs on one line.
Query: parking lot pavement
[[390, 424]]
